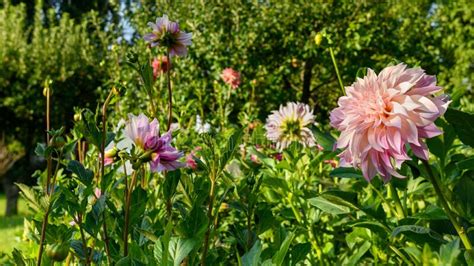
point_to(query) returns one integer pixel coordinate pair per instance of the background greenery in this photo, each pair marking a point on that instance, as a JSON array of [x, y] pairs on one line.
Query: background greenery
[[80, 49]]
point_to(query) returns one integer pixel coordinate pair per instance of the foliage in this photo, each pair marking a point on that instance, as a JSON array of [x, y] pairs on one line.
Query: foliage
[[239, 200]]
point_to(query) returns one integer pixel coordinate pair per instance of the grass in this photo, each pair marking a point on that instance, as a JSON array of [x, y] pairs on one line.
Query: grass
[[11, 228]]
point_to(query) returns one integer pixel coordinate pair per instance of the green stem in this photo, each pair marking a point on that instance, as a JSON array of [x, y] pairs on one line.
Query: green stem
[[170, 93], [389, 206], [48, 178], [209, 216], [127, 213], [459, 229], [337, 70], [102, 167], [400, 254], [398, 204]]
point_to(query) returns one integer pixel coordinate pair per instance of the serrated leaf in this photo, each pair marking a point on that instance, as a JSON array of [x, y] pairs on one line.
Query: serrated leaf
[[84, 175], [180, 248], [463, 124]]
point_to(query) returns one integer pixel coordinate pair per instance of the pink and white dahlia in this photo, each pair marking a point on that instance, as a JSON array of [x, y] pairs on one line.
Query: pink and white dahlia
[[382, 115], [146, 135], [167, 34], [231, 77], [290, 123]]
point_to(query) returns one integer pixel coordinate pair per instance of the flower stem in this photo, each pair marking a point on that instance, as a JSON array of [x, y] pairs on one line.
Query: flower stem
[[102, 167], [337, 70], [209, 216], [398, 204], [170, 93], [459, 229], [48, 177], [127, 213]]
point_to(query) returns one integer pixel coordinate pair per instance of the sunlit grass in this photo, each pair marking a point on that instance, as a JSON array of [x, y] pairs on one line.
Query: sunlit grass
[[11, 228]]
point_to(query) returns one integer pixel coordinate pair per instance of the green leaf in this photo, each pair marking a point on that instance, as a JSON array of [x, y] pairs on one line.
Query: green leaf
[[463, 124], [372, 226], [171, 182], [360, 251], [448, 253], [180, 248], [231, 147], [299, 252], [324, 139], [84, 175], [328, 206], [467, 164], [419, 234], [464, 196], [138, 205], [346, 172], [280, 255], [252, 257]]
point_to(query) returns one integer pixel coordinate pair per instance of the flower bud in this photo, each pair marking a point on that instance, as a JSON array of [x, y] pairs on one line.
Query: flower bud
[[318, 39], [57, 251]]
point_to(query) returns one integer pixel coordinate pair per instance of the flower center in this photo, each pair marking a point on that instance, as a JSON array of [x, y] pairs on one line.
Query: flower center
[[291, 128]]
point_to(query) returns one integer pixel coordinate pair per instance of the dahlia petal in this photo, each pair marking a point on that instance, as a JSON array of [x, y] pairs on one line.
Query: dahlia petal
[[421, 151], [429, 131]]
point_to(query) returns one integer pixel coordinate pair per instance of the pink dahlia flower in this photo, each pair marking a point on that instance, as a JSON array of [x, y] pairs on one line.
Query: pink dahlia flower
[[290, 123], [167, 34], [382, 115], [146, 135], [160, 65], [231, 77]]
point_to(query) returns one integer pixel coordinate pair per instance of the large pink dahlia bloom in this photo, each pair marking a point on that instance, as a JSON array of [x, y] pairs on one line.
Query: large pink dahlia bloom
[[146, 135], [383, 113]]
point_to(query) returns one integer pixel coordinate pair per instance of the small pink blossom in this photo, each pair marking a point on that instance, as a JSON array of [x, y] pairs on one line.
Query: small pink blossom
[[97, 192], [278, 156], [231, 77], [254, 159], [110, 155], [320, 148], [384, 113], [160, 65], [190, 161]]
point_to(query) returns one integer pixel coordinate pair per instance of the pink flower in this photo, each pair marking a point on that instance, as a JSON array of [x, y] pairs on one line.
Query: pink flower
[[110, 156], [291, 124], [381, 114], [160, 65], [167, 34], [278, 156], [231, 77], [190, 162], [97, 192], [146, 135]]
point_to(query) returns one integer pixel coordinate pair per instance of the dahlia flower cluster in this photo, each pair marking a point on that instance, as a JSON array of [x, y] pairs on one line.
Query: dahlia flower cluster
[[231, 77], [290, 123], [384, 114], [167, 34], [145, 135]]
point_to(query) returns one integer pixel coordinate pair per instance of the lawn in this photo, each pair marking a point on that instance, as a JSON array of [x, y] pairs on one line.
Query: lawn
[[11, 228]]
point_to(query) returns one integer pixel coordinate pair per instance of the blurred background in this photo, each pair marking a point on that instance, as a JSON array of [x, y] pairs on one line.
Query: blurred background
[[79, 49]]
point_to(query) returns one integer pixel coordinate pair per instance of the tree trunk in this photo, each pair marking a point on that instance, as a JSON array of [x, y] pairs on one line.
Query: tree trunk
[[11, 193], [307, 75]]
